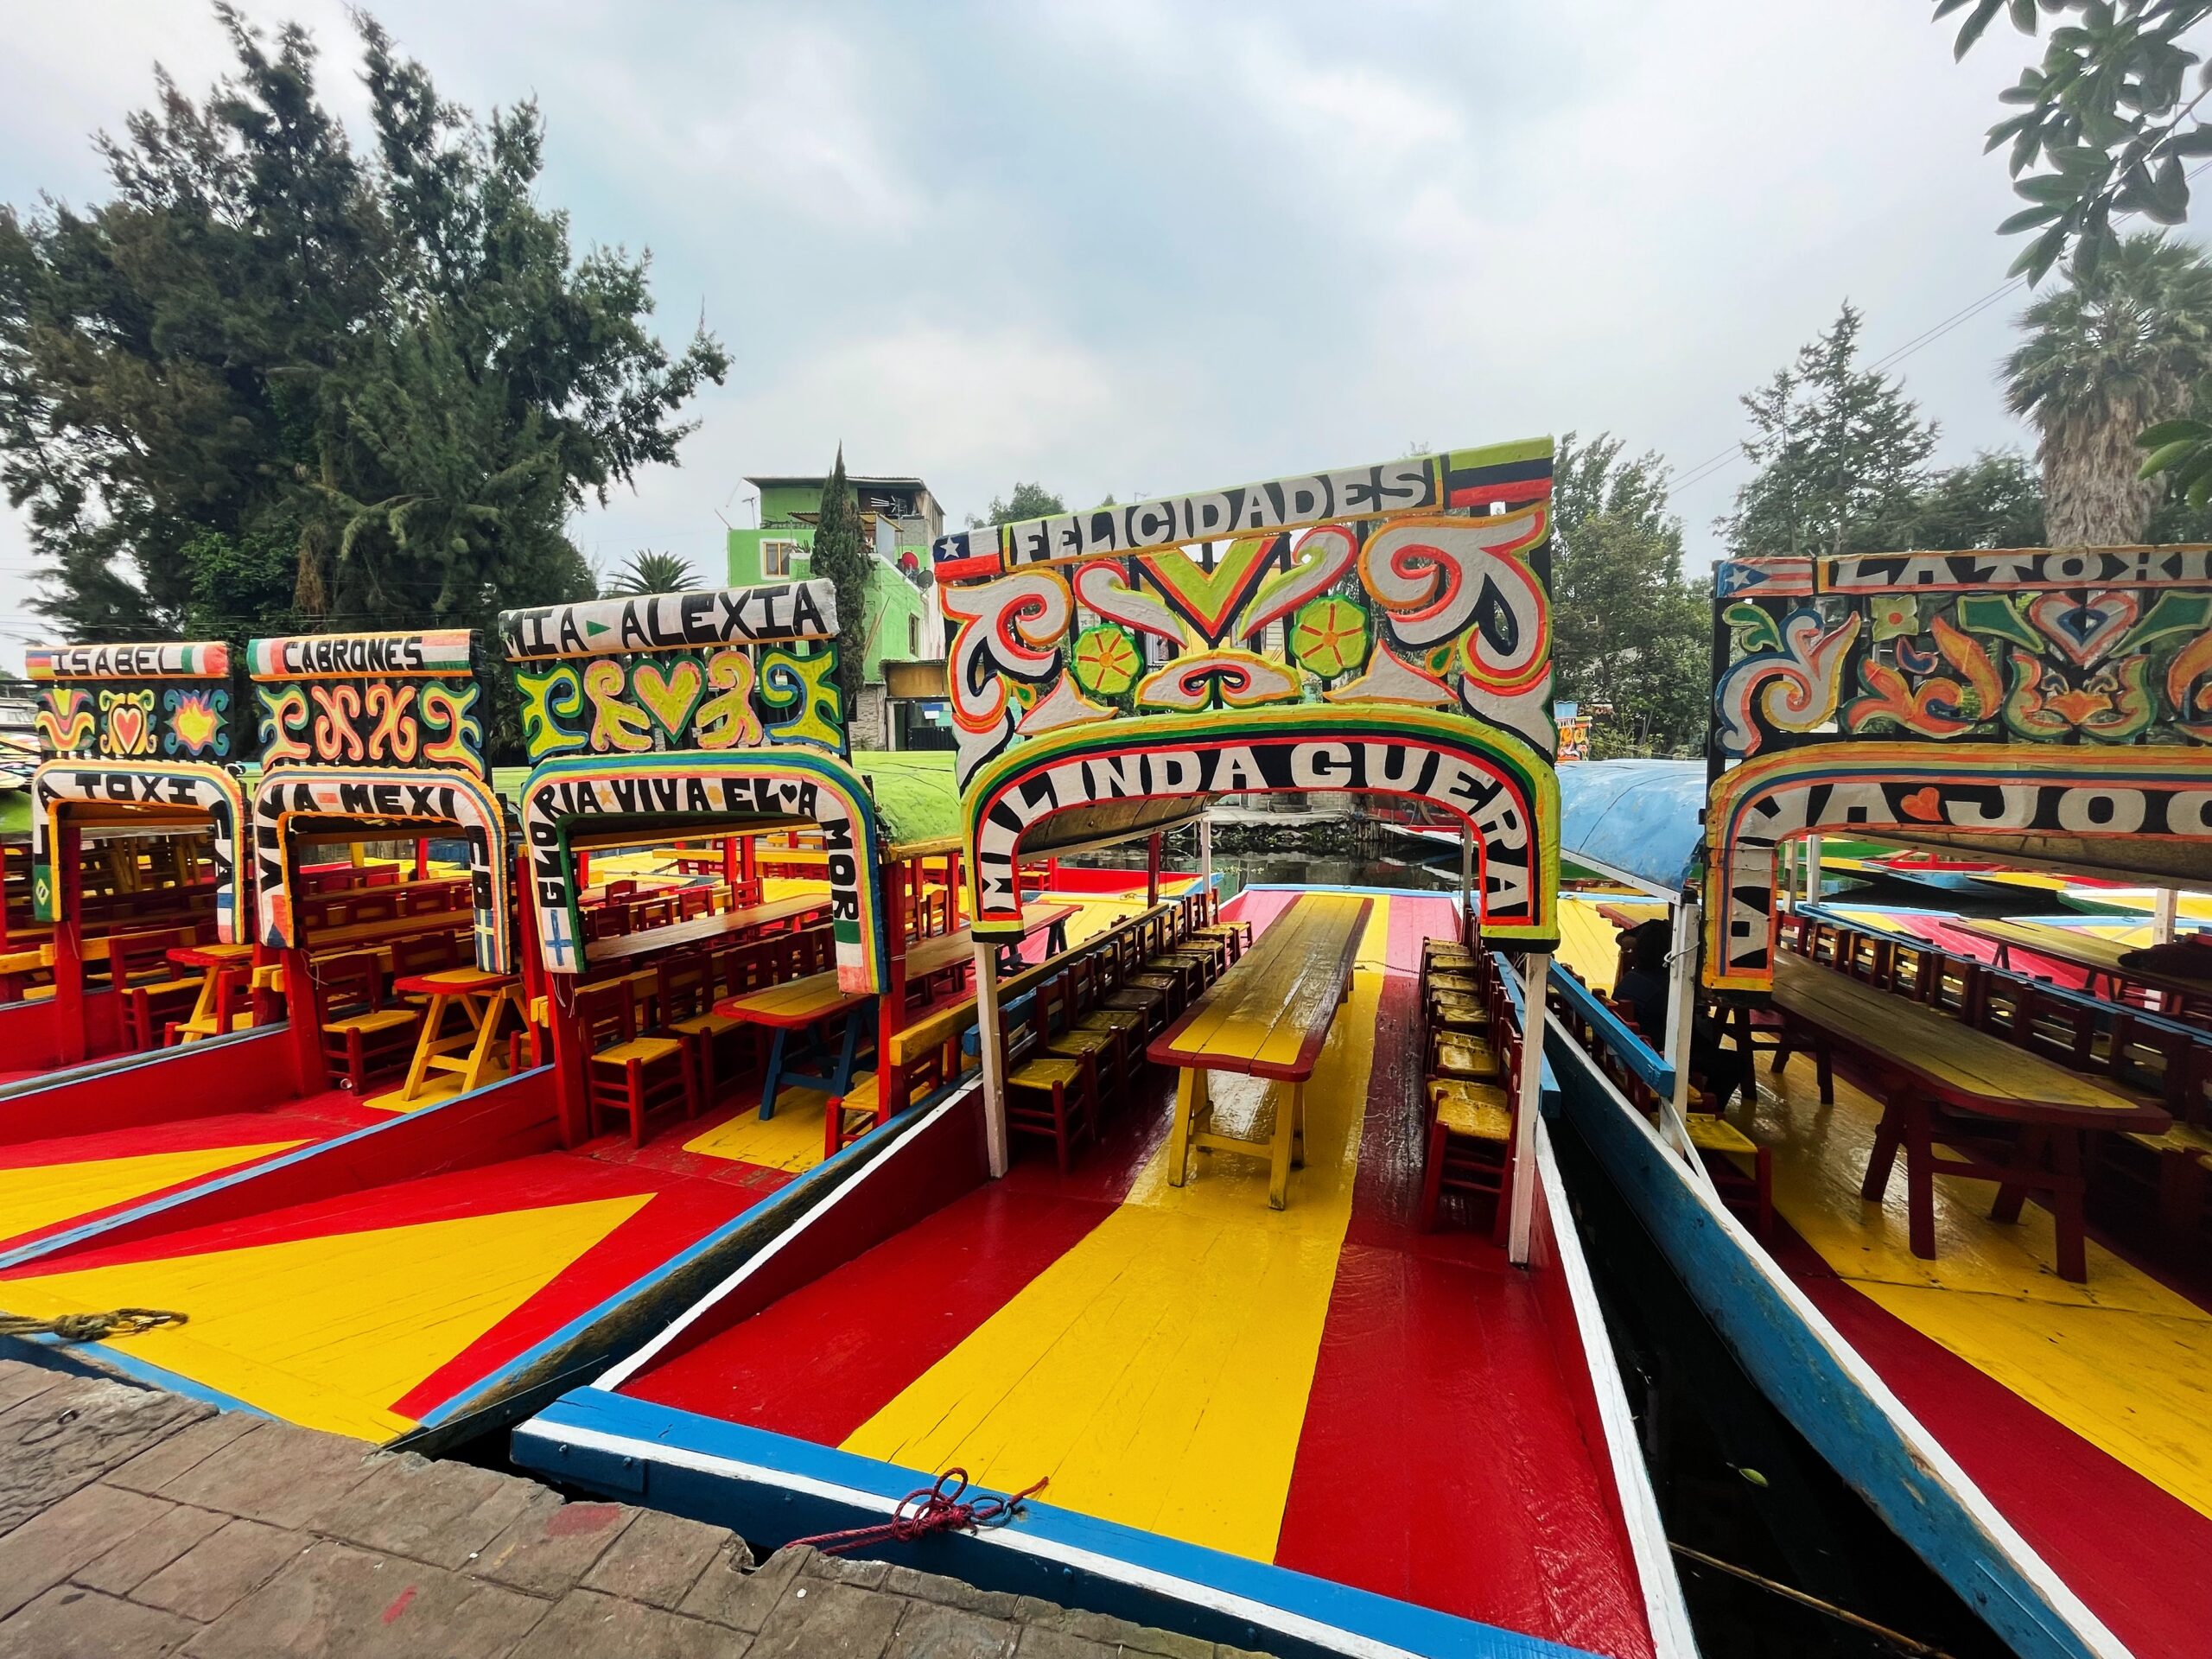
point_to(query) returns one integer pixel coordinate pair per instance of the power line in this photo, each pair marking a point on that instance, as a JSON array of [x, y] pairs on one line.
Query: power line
[[1927, 337]]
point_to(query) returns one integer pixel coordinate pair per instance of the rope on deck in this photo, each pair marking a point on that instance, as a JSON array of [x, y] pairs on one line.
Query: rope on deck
[[90, 1327], [934, 1509], [1902, 1642]]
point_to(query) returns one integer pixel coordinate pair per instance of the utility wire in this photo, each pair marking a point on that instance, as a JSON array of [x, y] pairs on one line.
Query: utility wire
[[1927, 337]]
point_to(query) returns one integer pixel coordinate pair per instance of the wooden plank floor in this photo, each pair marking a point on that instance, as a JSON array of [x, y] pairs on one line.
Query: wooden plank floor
[[1188, 1361], [2085, 1411]]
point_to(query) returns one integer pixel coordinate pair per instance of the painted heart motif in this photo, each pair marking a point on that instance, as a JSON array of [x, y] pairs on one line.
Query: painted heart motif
[[1924, 804], [126, 727], [670, 697], [2085, 629]]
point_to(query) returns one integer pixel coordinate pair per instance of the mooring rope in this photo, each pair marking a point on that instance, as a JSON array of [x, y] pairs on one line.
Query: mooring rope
[[935, 1508], [90, 1327]]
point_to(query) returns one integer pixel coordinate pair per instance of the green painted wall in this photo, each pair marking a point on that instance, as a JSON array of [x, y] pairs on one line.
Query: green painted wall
[[892, 602]]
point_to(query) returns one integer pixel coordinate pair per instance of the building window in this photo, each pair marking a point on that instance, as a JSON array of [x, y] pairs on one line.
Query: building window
[[775, 557], [914, 639]]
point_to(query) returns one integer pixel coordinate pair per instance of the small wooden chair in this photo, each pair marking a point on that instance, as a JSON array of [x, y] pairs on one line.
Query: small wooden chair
[[361, 1035], [1470, 1143], [154, 995], [627, 1072], [692, 901], [1106, 1046], [620, 892], [686, 989], [1050, 1095]]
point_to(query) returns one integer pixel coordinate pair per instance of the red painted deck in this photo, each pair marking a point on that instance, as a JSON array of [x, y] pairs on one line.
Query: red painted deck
[[2083, 1413], [62, 1181], [362, 1309], [1435, 1451]]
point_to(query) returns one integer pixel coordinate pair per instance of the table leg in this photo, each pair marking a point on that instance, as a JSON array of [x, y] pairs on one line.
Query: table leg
[[2066, 1204], [1883, 1158], [773, 1080], [480, 1053], [2027, 1156], [1279, 1160], [1189, 1089], [433, 1017], [1920, 1180], [848, 1048], [202, 1011]]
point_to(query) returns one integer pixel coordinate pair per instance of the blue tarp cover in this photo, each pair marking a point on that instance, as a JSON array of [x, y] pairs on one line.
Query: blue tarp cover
[[1638, 817]]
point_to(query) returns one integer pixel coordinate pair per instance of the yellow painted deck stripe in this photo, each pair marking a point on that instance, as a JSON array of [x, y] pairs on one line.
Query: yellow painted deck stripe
[[1158, 1371], [1589, 944], [2122, 1361], [38, 1195], [329, 1331], [791, 1139]]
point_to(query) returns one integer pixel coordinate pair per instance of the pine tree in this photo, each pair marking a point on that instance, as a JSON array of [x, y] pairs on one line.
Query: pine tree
[[1835, 445], [840, 556]]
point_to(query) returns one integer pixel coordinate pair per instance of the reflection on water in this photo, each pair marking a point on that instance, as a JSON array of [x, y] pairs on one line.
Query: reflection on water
[[1240, 870]]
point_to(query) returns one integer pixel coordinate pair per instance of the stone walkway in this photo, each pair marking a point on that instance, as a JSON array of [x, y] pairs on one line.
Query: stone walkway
[[134, 1522]]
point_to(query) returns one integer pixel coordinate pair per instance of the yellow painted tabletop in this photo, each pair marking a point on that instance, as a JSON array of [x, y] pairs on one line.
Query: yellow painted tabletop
[[1969, 1068], [1269, 1014]]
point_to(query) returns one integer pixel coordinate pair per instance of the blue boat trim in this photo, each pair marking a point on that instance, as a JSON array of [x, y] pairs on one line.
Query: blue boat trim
[[1818, 1381], [773, 1488], [1654, 1072]]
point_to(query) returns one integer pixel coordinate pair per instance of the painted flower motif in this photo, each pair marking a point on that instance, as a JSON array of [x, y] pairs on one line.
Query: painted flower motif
[[1107, 662], [1328, 636], [194, 722]]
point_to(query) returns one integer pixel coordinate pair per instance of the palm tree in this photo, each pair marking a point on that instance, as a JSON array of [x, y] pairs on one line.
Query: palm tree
[[654, 573], [2106, 356]]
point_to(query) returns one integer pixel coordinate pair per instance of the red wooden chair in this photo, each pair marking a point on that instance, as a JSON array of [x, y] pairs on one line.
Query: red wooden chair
[[1051, 1097], [624, 1072], [362, 1036], [1107, 1037], [686, 990], [152, 989]]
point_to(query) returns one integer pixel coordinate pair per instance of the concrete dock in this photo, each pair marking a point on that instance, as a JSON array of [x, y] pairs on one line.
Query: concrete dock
[[134, 1522]]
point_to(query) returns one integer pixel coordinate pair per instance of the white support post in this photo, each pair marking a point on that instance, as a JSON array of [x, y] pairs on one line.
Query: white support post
[[988, 1037], [1205, 860], [2163, 917], [1682, 1013], [1534, 1021], [1466, 883], [1811, 869]]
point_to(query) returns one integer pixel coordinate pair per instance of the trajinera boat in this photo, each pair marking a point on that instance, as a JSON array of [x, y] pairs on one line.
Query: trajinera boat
[[1223, 1251], [2005, 1343], [794, 1128]]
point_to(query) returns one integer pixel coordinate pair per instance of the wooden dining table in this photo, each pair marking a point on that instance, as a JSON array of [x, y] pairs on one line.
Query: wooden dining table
[[2098, 956], [473, 1050], [216, 963], [1943, 1082], [1269, 1015], [621, 946]]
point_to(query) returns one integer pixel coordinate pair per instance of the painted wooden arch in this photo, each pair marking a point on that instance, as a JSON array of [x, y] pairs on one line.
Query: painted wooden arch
[[1504, 790], [777, 784], [2052, 804], [415, 796], [188, 786]]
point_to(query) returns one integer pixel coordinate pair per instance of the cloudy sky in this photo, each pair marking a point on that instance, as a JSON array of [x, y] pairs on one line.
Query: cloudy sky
[[1150, 247]]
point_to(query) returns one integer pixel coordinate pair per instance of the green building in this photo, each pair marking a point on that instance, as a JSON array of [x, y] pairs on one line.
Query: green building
[[900, 518]]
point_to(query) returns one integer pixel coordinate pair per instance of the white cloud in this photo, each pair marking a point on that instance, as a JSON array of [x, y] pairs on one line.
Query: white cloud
[[1155, 246]]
